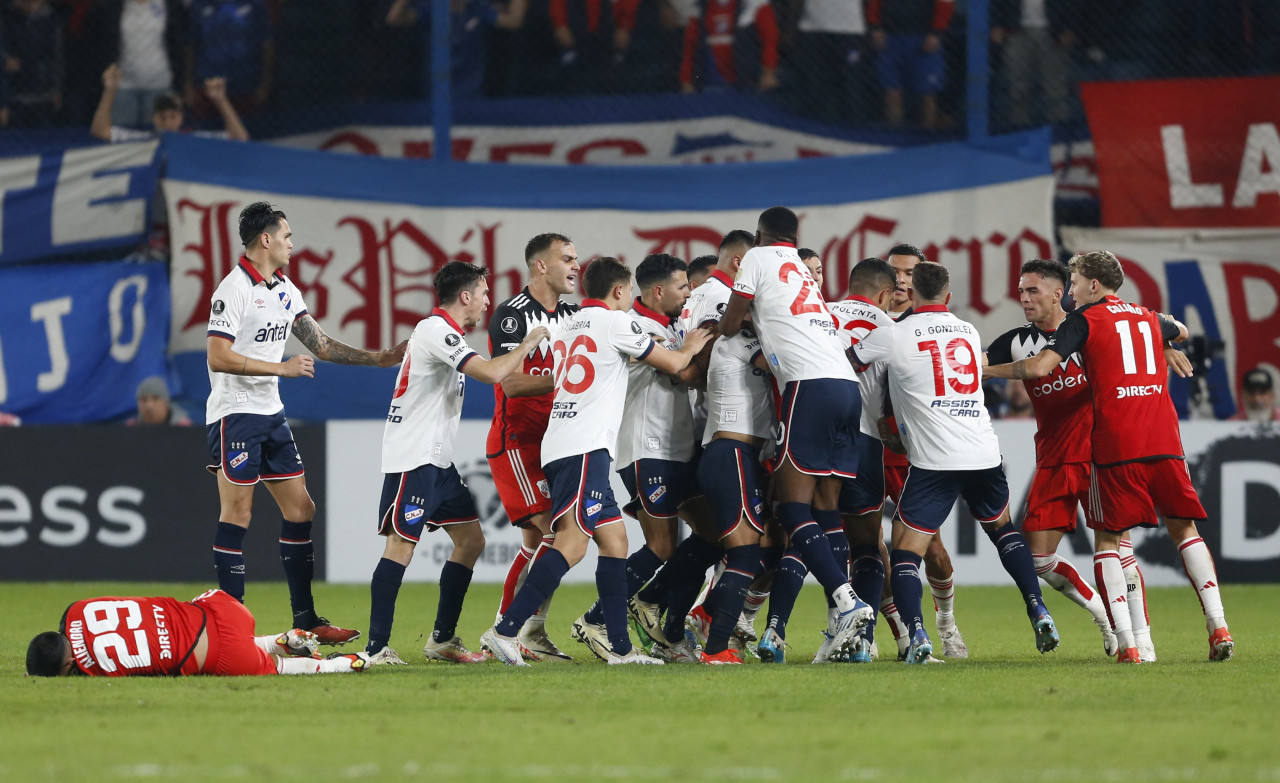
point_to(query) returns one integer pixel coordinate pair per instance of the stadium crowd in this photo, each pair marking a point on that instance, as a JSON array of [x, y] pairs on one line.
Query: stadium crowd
[[852, 62]]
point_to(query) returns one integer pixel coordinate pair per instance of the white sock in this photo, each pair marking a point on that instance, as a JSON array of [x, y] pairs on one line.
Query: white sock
[[890, 611], [844, 598], [1136, 589], [268, 645], [300, 665], [1198, 564], [1109, 575], [751, 607], [944, 594]]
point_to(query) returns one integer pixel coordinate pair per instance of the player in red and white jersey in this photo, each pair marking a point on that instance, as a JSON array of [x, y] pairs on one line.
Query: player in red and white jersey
[[935, 380], [1139, 466], [937, 561], [522, 408], [251, 315], [421, 488], [820, 406], [1064, 424], [592, 351], [163, 637]]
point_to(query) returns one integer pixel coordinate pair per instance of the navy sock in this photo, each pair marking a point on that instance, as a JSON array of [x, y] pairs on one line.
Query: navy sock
[[455, 578], [692, 558], [680, 601], [787, 581], [383, 589], [228, 559], [730, 594], [770, 556], [907, 588], [868, 580], [1015, 555], [544, 577], [611, 583], [641, 566], [815, 549], [299, 560]]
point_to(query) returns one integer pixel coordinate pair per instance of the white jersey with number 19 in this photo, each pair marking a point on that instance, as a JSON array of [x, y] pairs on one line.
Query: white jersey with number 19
[[591, 352], [935, 382], [795, 328]]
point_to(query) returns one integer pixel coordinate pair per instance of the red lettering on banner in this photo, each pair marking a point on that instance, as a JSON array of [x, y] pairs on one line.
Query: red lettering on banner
[[1140, 281], [679, 241], [502, 153], [1256, 337], [314, 292], [357, 141], [1016, 258], [459, 149], [215, 251], [627, 148], [846, 251]]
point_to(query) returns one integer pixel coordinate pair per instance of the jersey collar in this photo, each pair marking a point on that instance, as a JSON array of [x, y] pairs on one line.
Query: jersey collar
[[447, 319], [863, 299], [722, 277], [651, 314], [931, 309], [783, 244], [592, 303], [252, 271]]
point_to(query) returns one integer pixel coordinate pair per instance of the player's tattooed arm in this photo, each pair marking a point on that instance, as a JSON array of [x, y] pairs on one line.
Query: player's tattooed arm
[[328, 349]]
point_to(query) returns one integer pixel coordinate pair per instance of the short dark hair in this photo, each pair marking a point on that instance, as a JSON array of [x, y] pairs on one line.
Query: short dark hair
[[930, 281], [602, 275], [542, 243], [166, 101], [871, 275], [1100, 265], [779, 222], [905, 250], [658, 268], [46, 654], [806, 253], [702, 265], [737, 237], [456, 277], [257, 218], [1047, 269]]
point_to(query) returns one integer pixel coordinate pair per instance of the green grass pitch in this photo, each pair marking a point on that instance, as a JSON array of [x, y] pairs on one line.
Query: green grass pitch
[[1005, 714]]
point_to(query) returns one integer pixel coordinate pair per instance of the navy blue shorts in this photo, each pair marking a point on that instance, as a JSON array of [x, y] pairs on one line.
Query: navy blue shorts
[[929, 495], [580, 488], [904, 63], [659, 486], [820, 426], [248, 447], [731, 479], [865, 492], [427, 496]]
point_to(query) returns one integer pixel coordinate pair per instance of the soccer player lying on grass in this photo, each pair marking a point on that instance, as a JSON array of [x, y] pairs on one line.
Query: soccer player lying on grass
[[149, 637], [592, 350]]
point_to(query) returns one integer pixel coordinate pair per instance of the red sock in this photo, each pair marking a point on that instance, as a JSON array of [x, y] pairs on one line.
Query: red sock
[[512, 582]]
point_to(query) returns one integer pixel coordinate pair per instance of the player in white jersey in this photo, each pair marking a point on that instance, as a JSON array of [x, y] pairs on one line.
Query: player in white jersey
[[935, 380], [251, 314], [820, 406], [592, 351], [422, 489]]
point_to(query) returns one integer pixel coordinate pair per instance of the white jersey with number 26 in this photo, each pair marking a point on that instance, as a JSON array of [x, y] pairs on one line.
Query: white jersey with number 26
[[591, 352], [795, 328]]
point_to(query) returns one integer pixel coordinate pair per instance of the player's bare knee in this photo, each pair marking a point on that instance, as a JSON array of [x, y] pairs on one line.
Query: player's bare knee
[[237, 515], [468, 543], [1181, 529], [399, 550]]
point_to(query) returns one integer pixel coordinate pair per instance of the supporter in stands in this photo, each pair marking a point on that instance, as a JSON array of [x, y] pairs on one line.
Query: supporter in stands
[[231, 40], [730, 43], [166, 112], [470, 22], [4, 86], [32, 43], [1036, 38], [146, 38], [592, 37], [1017, 403], [1258, 400], [908, 36], [830, 58], [155, 407]]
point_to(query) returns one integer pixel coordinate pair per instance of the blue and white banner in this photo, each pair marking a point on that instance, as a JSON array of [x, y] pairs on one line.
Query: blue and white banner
[[76, 339], [369, 233], [78, 199]]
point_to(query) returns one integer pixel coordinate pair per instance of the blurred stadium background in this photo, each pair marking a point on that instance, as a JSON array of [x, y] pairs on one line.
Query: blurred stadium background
[[984, 131]]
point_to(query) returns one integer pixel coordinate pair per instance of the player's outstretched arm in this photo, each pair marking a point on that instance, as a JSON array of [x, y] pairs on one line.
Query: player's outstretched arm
[[495, 370], [223, 359], [309, 333], [672, 362], [1178, 362], [736, 314], [1037, 366]]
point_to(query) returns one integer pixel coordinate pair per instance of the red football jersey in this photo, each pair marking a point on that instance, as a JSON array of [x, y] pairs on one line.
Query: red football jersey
[[1061, 401], [114, 637], [521, 421], [1121, 345]]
